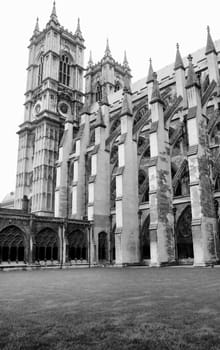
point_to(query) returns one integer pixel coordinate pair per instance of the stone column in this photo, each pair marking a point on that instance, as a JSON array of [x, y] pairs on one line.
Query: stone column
[[99, 184], [127, 243], [79, 171], [204, 226], [162, 245], [61, 200]]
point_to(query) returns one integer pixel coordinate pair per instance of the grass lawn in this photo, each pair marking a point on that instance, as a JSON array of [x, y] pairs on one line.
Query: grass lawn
[[109, 308]]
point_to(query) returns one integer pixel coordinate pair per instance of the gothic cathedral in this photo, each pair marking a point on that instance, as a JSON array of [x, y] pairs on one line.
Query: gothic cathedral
[[110, 172]]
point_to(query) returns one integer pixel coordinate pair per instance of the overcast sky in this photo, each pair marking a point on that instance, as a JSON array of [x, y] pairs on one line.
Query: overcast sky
[[144, 28]]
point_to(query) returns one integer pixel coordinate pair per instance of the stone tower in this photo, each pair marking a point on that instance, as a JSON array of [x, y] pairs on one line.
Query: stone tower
[[106, 75], [54, 90]]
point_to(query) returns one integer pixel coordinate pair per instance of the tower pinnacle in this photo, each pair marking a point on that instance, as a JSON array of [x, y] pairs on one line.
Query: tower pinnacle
[[155, 97], [210, 47], [107, 49], [126, 108], [78, 32], [36, 29], [53, 16], [125, 62], [178, 62], [150, 77], [192, 79], [90, 62]]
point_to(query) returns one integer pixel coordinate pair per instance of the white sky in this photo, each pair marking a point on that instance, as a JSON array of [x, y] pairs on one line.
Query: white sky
[[144, 28]]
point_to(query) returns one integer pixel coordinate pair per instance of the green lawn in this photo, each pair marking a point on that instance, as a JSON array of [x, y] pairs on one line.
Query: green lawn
[[110, 308]]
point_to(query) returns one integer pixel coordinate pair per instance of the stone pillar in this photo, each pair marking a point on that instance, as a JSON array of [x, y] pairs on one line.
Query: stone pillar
[[162, 245], [127, 243], [79, 171], [61, 200], [99, 185], [204, 226], [62, 247]]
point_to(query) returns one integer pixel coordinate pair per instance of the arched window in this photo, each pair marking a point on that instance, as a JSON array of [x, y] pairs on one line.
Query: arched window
[[40, 70], [64, 72], [98, 95], [117, 86], [215, 137]]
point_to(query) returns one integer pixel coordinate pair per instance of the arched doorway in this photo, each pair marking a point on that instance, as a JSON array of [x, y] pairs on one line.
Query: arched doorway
[[184, 235], [12, 245], [103, 246], [77, 246], [145, 240], [46, 245]]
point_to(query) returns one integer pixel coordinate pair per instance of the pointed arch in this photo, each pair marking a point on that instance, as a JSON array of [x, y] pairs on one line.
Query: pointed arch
[[102, 246], [181, 180], [12, 244], [46, 245], [145, 239], [77, 245], [184, 234], [64, 69]]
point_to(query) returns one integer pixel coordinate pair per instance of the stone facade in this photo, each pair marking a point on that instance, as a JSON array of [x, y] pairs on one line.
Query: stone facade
[[140, 161]]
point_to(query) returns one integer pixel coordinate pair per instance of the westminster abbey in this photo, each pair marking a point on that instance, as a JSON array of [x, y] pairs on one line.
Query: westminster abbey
[[114, 172]]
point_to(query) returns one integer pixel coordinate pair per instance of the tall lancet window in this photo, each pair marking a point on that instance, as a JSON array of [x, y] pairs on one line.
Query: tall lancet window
[[64, 73], [98, 92], [40, 70]]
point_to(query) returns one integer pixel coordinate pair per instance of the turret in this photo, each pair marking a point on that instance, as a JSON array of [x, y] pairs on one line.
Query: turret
[[212, 58], [192, 86], [149, 82], [180, 76]]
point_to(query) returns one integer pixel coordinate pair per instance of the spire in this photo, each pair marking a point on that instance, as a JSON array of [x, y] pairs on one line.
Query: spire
[[125, 62], [192, 79], [150, 73], [78, 30], [90, 62], [99, 118], [107, 49], [178, 62], [36, 29], [210, 47], [126, 108], [53, 16], [156, 97]]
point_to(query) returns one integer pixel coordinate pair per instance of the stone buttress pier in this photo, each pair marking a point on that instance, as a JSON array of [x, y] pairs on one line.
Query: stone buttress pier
[[160, 194], [78, 165], [99, 188], [127, 230], [203, 211]]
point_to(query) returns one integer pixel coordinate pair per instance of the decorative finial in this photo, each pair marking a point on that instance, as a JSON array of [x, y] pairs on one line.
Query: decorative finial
[[150, 72], [90, 62], [189, 57], [125, 62], [210, 47], [178, 61], [107, 49], [36, 29], [156, 97], [192, 79], [78, 32], [53, 15]]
